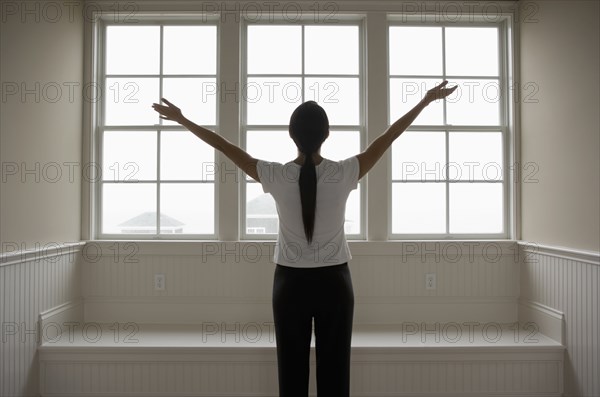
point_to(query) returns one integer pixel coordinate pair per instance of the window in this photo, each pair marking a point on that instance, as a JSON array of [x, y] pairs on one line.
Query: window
[[285, 66], [447, 176], [157, 178], [447, 168]]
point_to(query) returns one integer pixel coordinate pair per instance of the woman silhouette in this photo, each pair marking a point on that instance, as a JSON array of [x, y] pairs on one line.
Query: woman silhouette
[[312, 279]]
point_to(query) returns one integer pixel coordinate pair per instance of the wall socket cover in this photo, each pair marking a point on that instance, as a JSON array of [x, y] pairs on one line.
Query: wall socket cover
[[159, 282], [430, 281]]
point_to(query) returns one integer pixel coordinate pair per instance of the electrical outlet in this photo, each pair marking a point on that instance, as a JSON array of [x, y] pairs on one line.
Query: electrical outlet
[[430, 281], [159, 282]]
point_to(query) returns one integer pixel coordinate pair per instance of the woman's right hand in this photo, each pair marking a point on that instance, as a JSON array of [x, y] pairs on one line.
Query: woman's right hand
[[438, 92]]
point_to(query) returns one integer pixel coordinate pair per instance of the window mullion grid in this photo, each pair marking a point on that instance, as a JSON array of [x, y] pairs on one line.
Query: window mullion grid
[[302, 64], [159, 132], [243, 192], [503, 73], [100, 142], [446, 134]]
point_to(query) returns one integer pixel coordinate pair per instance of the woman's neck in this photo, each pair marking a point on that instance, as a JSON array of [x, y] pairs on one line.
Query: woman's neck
[[316, 158]]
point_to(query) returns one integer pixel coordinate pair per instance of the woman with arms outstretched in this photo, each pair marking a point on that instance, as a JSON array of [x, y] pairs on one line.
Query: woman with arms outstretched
[[312, 279]]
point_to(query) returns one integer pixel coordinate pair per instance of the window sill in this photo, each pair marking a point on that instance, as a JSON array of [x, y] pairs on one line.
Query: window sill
[[451, 248]]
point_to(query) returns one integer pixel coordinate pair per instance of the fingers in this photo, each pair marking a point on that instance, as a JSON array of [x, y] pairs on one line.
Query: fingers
[[446, 91], [156, 105], [165, 101]]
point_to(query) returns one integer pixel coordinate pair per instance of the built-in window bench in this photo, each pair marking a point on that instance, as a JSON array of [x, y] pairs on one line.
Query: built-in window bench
[[213, 359]]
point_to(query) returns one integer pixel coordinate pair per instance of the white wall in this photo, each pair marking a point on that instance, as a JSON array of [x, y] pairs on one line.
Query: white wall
[[41, 51], [560, 42], [560, 130]]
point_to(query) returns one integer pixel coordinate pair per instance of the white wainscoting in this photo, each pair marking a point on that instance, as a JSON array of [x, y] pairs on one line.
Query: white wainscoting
[[232, 282], [557, 288], [216, 282], [568, 282], [32, 282]]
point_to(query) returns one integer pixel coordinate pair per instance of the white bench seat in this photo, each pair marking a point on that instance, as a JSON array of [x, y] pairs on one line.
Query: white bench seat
[[240, 360]]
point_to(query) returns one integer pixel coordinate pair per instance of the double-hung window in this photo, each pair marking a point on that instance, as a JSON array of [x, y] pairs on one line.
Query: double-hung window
[[447, 175], [285, 65], [448, 169], [157, 179]]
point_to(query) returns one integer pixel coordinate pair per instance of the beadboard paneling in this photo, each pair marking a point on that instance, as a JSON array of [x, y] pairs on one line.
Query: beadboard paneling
[[569, 282], [30, 284], [389, 286]]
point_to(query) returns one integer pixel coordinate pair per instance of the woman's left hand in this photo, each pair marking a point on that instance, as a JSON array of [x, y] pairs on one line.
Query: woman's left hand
[[170, 112], [439, 92]]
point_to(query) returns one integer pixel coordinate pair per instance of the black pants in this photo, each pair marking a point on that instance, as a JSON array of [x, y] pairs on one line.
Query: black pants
[[299, 294]]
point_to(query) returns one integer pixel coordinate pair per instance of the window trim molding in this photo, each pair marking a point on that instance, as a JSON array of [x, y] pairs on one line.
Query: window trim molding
[[374, 221], [506, 127], [99, 26], [357, 19]]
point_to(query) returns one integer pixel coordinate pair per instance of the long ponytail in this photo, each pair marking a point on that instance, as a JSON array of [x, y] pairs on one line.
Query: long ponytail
[[308, 195], [309, 127]]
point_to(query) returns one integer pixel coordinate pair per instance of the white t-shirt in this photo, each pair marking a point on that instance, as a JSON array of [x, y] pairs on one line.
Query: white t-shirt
[[335, 181]]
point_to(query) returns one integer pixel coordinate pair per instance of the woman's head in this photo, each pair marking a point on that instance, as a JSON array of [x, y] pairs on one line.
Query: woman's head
[[309, 127]]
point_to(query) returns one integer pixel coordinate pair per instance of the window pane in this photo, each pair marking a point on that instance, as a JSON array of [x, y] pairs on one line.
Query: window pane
[[406, 93], [331, 49], [271, 100], [128, 101], [472, 51], [129, 155], [475, 156], [352, 219], [338, 96], [184, 156], [132, 49], [262, 218], [190, 49], [271, 146], [187, 208], [475, 102], [340, 145], [415, 50], [261, 213], [476, 208], [279, 147], [419, 155], [129, 208], [196, 97], [274, 49], [418, 207]]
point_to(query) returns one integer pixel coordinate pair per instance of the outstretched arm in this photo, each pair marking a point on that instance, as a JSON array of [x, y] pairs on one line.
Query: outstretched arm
[[373, 153], [240, 157]]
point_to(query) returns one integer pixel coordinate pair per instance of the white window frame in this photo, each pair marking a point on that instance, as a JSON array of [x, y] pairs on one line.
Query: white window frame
[[376, 186], [358, 20], [102, 23], [504, 127]]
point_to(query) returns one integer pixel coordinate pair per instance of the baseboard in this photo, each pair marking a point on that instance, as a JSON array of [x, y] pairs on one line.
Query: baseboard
[[544, 319], [59, 320]]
